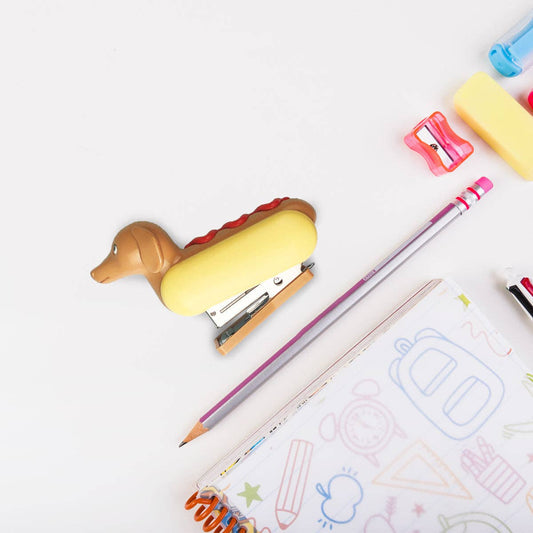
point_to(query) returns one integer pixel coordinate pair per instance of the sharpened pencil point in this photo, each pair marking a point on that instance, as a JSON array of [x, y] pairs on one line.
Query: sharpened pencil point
[[196, 431]]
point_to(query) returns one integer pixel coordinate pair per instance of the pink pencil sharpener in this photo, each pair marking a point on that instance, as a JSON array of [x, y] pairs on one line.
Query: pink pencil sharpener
[[438, 144]]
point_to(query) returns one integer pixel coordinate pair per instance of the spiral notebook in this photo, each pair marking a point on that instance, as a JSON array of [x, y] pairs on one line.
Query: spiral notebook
[[425, 425]]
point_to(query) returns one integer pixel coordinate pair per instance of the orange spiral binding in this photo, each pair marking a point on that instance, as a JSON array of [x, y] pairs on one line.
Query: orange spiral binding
[[206, 506]]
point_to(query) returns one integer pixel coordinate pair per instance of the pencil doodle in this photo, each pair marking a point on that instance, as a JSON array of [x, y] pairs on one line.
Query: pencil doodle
[[293, 482], [492, 471], [483, 334], [451, 387]]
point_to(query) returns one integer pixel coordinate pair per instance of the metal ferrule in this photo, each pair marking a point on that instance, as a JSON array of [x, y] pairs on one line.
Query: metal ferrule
[[469, 197], [478, 189]]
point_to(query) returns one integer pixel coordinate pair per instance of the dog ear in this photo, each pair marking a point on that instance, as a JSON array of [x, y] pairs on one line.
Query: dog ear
[[149, 248]]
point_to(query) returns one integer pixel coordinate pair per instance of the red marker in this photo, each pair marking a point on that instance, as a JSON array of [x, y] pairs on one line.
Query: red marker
[[526, 283]]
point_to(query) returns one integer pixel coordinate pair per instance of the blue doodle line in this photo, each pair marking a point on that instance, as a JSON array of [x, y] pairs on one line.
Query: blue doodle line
[[327, 495], [493, 400]]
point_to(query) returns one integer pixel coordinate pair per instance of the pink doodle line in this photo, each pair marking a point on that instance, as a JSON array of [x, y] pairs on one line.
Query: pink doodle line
[[254, 524], [382, 522], [482, 333], [293, 483]]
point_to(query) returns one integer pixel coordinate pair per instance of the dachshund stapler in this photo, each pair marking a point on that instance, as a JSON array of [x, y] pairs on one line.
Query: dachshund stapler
[[238, 274]]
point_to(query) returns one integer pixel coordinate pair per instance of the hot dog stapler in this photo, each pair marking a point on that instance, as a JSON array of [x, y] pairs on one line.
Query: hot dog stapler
[[238, 274]]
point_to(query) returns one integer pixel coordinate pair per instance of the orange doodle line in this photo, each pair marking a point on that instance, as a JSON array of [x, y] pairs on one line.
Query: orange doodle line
[[409, 471]]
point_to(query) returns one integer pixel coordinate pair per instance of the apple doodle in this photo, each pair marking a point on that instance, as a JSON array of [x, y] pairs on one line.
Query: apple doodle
[[341, 498], [365, 426]]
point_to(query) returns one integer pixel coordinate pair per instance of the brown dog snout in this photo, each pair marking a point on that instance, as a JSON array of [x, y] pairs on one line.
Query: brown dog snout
[[107, 271], [99, 274], [140, 248]]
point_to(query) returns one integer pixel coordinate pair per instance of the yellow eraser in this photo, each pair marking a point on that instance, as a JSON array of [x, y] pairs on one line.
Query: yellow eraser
[[239, 262], [499, 120]]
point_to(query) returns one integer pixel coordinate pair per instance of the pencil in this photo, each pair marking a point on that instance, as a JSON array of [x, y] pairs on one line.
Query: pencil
[[487, 451], [339, 307]]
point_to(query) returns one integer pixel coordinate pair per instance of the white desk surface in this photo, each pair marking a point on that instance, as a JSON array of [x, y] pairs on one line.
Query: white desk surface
[[189, 114]]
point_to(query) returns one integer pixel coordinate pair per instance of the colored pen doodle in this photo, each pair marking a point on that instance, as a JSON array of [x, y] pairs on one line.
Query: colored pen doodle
[[341, 498], [484, 334], [250, 493], [418, 510], [365, 425], [492, 471], [419, 468], [521, 429], [472, 522], [529, 499], [382, 523], [293, 482], [466, 302], [254, 524], [451, 387], [528, 384]]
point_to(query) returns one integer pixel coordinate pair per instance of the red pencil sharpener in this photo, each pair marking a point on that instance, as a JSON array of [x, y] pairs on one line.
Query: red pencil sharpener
[[438, 144]]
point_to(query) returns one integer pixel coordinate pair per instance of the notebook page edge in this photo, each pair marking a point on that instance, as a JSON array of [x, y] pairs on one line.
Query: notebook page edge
[[256, 438]]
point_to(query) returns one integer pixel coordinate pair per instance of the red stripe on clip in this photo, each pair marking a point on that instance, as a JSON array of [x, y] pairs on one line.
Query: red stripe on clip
[[526, 283], [474, 191], [463, 202]]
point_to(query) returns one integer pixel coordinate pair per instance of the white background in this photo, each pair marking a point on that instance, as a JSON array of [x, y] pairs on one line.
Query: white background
[[188, 114]]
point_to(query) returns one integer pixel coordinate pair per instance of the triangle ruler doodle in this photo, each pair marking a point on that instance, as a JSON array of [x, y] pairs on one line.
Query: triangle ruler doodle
[[420, 468]]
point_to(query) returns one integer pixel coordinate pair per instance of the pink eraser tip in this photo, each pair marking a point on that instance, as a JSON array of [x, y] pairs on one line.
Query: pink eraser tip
[[485, 184]]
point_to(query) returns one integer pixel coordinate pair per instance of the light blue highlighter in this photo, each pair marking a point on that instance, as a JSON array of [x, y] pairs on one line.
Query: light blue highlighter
[[513, 53]]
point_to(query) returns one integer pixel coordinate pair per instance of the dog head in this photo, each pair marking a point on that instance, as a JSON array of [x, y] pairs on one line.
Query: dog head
[[137, 249]]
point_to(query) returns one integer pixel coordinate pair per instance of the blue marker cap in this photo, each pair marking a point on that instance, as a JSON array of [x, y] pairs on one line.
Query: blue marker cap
[[513, 53]]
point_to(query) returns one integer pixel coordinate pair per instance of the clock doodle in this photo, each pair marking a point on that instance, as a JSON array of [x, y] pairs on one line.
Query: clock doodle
[[365, 426]]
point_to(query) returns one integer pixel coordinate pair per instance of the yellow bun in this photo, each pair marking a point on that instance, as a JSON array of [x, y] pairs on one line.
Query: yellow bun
[[239, 262]]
